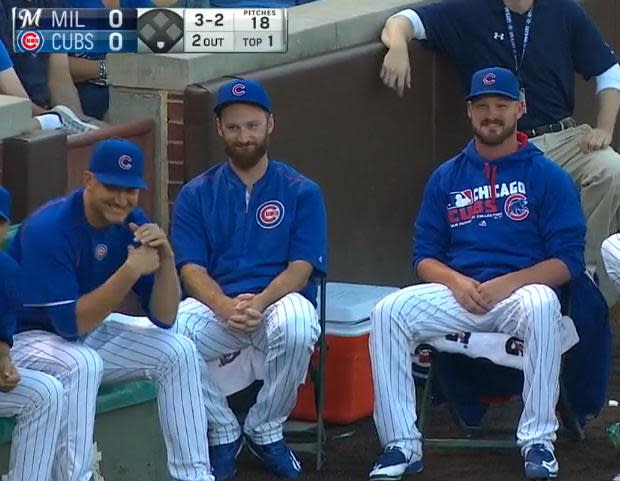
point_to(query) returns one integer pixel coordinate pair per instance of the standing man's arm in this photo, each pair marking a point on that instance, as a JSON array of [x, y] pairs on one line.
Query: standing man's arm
[[396, 35], [593, 57], [608, 100], [442, 26]]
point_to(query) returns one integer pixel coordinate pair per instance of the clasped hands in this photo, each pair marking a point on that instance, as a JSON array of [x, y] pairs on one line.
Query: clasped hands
[[243, 313], [480, 297]]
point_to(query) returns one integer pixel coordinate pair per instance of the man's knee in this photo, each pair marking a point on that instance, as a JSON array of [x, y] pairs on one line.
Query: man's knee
[[47, 391], [177, 349], [389, 310], [542, 306], [299, 326], [84, 363]]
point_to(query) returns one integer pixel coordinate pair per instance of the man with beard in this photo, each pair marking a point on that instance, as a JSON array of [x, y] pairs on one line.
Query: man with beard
[[250, 235], [544, 42], [490, 266], [82, 256]]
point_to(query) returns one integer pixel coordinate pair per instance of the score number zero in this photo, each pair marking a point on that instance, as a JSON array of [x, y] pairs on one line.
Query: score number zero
[[218, 21], [115, 40]]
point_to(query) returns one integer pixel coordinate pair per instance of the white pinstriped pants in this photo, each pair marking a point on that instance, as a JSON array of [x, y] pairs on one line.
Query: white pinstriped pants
[[119, 352], [611, 257], [36, 402], [287, 335], [424, 311]]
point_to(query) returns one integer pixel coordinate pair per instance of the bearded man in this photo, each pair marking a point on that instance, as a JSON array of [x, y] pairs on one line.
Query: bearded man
[[493, 265], [250, 236]]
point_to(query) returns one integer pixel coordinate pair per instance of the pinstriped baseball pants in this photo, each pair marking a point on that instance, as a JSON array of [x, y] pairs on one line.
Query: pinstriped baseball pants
[[287, 337], [611, 257], [36, 402], [117, 352], [424, 311]]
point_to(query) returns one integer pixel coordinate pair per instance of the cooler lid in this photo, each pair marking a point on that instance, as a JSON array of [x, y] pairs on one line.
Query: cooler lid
[[352, 303], [343, 329]]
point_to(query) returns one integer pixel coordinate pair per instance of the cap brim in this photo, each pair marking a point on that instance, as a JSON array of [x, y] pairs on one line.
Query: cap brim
[[121, 181], [218, 108], [498, 93]]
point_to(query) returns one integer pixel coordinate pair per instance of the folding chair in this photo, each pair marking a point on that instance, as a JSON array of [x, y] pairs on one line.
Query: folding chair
[[473, 436], [311, 439]]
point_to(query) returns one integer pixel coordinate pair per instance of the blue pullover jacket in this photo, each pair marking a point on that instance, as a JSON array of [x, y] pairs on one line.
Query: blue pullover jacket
[[485, 218]]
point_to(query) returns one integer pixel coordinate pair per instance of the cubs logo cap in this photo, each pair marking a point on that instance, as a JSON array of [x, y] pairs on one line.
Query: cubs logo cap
[[242, 91], [5, 204], [119, 163], [494, 81]]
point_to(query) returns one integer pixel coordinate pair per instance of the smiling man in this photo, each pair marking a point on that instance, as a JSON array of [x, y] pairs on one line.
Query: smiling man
[[489, 265], [249, 234], [82, 256]]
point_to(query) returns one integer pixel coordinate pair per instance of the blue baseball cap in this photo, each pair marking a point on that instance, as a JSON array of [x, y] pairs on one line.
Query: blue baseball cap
[[494, 81], [242, 91], [118, 162], [5, 204]]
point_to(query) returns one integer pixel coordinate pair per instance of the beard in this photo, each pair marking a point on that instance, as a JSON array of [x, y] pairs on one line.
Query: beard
[[496, 138], [246, 156]]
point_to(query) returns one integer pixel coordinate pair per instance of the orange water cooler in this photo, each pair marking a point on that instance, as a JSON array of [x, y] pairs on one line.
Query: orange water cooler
[[348, 375]]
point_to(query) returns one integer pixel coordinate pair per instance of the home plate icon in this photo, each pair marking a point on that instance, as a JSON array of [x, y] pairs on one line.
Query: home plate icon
[[160, 30]]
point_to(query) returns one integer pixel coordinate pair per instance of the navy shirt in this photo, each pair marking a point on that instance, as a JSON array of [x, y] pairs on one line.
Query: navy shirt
[[10, 300], [63, 258], [31, 68], [563, 40], [244, 243], [485, 218]]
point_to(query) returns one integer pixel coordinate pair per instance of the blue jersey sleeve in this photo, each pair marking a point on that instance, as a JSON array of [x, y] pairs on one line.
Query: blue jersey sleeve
[[591, 54], [144, 287], [49, 268], [432, 232], [10, 298], [189, 236], [562, 223], [308, 240], [5, 59]]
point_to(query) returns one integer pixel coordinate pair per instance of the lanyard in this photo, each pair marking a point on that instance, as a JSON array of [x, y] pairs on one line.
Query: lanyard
[[511, 34]]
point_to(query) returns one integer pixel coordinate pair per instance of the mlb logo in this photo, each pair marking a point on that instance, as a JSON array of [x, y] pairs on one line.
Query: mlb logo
[[460, 199]]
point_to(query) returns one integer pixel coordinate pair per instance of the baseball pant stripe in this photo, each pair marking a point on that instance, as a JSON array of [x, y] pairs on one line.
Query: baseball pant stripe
[[287, 337], [421, 312], [36, 402], [172, 362], [79, 370]]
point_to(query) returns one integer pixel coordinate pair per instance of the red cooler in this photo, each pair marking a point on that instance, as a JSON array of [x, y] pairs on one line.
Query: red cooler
[[348, 376]]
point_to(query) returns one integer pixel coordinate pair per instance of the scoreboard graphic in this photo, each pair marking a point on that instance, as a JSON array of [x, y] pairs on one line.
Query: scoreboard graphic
[[149, 30]]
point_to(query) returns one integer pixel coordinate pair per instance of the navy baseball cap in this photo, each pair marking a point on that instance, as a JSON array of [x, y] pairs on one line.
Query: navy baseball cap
[[118, 162], [5, 204], [242, 91], [494, 81]]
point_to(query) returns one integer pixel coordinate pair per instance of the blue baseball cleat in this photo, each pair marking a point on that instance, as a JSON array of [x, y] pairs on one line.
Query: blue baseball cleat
[[392, 465], [223, 459], [540, 463], [277, 458]]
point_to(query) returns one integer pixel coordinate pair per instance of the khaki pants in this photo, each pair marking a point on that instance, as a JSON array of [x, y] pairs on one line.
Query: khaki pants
[[597, 175]]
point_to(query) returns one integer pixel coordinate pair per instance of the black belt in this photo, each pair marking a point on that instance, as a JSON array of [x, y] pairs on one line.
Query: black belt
[[563, 124]]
